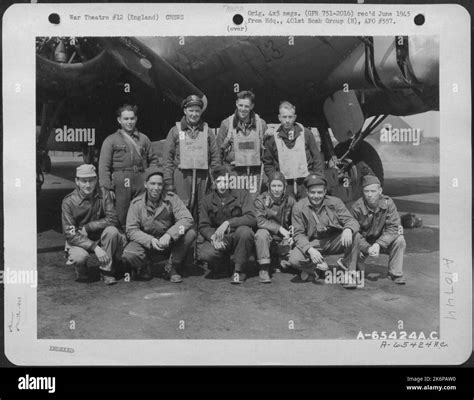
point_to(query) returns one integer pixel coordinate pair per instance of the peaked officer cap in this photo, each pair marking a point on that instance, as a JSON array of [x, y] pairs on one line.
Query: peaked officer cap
[[314, 179], [192, 100]]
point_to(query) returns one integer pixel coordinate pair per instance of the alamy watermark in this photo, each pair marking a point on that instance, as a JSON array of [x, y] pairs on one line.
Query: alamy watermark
[[248, 182], [19, 277], [400, 135], [79, 135], [37, 383], [338, 277]]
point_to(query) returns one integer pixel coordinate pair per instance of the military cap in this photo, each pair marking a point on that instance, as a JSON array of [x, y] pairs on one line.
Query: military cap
[[369, 180], [220, 170], [86, 171], [314, 179], [192, 100], [149, 172]]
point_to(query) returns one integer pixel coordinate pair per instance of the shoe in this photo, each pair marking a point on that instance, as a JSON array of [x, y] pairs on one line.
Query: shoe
[[341, 264], [350, 285], [238, 278], [108, 279], [322, 266], [172, 274], [264, 276], [142, 274], [370, 260], [305, 275], [145, 274], [399, 280], [81, 274], [176, 278]]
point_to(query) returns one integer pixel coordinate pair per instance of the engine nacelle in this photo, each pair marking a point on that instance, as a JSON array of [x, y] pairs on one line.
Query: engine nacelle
[[63, 72], [390, 62], [403, 61]]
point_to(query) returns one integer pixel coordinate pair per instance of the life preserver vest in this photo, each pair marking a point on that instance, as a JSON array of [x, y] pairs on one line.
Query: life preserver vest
[[193, 151]]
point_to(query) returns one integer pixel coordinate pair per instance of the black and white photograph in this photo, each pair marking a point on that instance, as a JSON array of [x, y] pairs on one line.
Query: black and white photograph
[[354, 139], [240, 187]]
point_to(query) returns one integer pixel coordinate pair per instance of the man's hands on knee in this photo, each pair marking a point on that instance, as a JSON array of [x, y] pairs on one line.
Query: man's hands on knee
[[346, 238], [315, 256], [162, 243], [218, 244], [102, 256], [374, 250], [219, 233], [284, 232], [286, 235]]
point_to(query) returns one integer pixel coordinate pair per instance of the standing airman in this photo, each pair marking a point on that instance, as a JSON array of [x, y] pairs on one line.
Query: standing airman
[[190, 154], [240, 141], [292, 150], [124, 157]]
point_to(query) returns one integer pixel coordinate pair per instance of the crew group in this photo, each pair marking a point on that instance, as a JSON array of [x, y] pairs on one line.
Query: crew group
[[207, 197]]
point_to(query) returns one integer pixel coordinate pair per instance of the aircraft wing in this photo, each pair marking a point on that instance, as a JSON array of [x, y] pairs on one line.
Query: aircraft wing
[[390, 75], [385, 75], [150, 68]]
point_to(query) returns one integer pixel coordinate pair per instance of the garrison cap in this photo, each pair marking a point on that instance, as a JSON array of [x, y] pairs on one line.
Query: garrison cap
[[220, 170], [370, 180], [192, 100], [86, 171], [314, 179], [149, 172]]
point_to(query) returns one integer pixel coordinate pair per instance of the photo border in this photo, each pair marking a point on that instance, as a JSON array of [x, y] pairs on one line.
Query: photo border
[[23, 348]]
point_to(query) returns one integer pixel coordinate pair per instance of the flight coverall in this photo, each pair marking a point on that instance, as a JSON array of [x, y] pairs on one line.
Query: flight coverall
[[314, 159], [122, 164], [225, 143], [381, 226], [146, 221], [270, 217], [324, 234], [181, 179], [98, 217], [234, 206]]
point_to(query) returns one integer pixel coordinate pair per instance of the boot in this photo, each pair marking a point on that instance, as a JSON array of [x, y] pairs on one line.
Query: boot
[[238, 277], [172, 274], [142, 273], [108, 277], [263, 275]]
